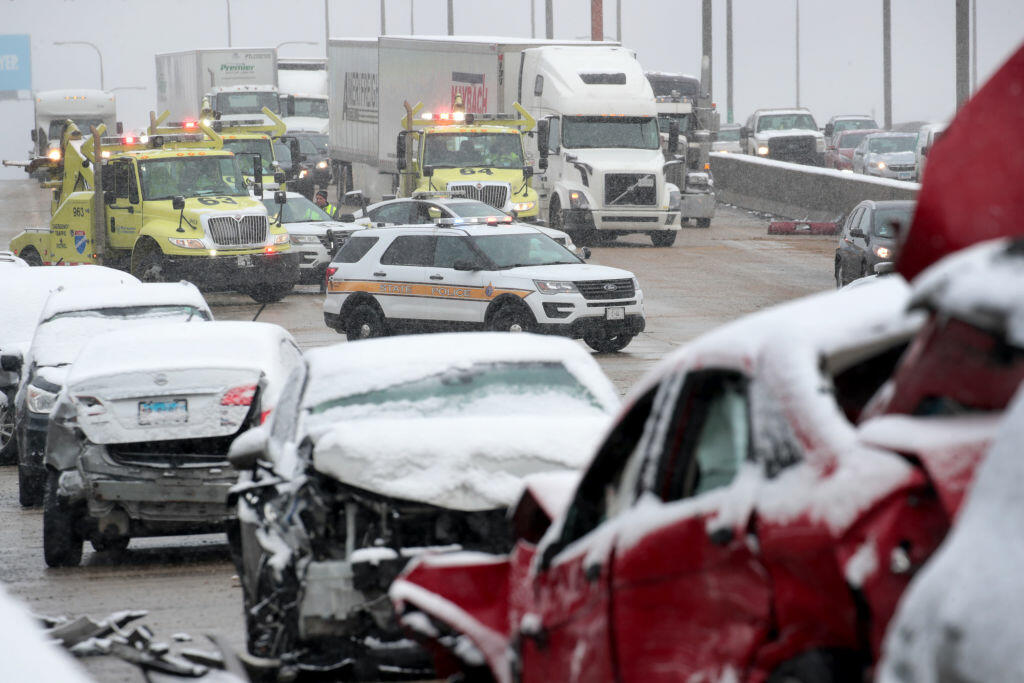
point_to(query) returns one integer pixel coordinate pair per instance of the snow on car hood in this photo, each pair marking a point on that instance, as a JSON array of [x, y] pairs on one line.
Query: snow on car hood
[[788, 132], [982, 284], [569, 271], [469, 464], [615, 160]]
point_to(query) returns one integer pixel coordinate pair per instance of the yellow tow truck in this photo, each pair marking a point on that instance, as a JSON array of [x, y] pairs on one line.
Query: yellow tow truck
[[478, 156], [171, 206]]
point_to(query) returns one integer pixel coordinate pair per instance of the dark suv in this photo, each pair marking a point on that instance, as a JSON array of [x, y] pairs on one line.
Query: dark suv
[[870, 236]]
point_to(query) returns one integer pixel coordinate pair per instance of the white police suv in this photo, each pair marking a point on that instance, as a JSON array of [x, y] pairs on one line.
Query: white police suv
[[513, 278]]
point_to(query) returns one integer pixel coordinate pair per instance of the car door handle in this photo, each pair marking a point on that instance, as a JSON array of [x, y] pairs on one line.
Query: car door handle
[[722, 536], [437, 277], [380, 274]]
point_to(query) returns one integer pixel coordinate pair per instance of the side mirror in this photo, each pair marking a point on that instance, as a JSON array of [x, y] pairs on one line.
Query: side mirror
[[280, 197], [245, 451], [108, 197], [178, 203], [542, 163], [279, 177], [527, 172], [466, 265], [428, 171], [673, 137], [543, 137], [830, 129], [400, 151], [11, 362], [293, 148], [257, 169], [744, 132], [924, 151], [585, 251], [119, 127], [257, 189], [856, 232]]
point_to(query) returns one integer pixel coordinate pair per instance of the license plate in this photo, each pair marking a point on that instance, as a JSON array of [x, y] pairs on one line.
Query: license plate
[[174, 411], [615, 313], [244, 261], [903, 175]]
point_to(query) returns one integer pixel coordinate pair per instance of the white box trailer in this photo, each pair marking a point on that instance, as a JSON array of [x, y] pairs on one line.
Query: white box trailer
[[370, 79], [183, 79], [302, 83]]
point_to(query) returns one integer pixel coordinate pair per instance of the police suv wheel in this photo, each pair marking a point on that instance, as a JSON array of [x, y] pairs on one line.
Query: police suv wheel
[[603, 342], [62, 541], [365, 322]]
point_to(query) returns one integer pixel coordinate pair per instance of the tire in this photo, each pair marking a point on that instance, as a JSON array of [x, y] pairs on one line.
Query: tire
[[839, 274], [147, 262], [30, 256], [511, 318], [8, 444], [555, 217], [268, 293], [663, 238], [607, 343], [365, 322], [703, 222], [62, 541], [31, 487]]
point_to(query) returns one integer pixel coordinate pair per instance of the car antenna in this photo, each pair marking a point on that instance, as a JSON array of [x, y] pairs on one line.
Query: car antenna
[[262, 306]]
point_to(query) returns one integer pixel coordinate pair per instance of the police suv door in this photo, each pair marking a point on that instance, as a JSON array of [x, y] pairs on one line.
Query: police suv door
[[400, 280]]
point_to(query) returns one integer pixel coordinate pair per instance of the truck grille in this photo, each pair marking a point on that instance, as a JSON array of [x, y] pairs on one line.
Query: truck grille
[[248, 231], [494, 194], [630, 189], [798, 147], [606, 289]]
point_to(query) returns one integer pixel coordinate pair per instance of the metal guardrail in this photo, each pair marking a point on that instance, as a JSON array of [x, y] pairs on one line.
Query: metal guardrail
[[800, 192]]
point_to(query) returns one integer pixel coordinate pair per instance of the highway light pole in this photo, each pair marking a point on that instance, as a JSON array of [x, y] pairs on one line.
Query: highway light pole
[[549, 20], [887, 62], [728, 61], [963, 84], [705, 44], [798, 53], [596, 20], [98, 54], [227, 3]]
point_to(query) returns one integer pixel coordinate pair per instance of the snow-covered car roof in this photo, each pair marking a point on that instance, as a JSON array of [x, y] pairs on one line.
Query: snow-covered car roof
[[368, 365], [8, 258], [66, 299], [982, 285], [25, 291], [462, 229], [168, 346], [851, 117]]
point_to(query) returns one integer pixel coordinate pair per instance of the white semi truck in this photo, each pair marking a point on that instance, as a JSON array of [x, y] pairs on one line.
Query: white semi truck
[[238, 82], [53, 107], [303, 87], [602, 173]]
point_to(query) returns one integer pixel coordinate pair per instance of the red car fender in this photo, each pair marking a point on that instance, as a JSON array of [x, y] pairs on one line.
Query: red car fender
[[883, 549], [466, 593]]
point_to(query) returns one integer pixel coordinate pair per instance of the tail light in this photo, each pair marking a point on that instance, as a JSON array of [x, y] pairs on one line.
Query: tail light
[[264, 415], [239, 396], [331, 270]]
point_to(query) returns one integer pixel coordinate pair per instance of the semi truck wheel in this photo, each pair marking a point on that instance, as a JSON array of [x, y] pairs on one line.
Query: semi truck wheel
[[703, 222], [663, 238]]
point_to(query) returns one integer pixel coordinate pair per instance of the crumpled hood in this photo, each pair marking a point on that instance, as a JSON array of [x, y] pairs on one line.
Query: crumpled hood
[[460, 463], [788, 132], [620, 160]]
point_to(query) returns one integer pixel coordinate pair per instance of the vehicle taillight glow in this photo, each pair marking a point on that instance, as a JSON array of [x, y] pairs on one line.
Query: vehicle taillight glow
[[331, 270], [189, 125], [239, 396], [53, 155], [264, 415], [129, 140]]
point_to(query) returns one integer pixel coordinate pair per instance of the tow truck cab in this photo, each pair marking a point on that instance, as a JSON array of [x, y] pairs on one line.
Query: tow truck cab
[[173, 206], [479, 156]]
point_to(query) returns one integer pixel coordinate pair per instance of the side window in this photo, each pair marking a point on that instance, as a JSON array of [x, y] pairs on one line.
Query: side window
[[852, 222], [391, 213], [865, 221], [451, 249], [410, 250], [554, 136], [355, 249], [425, 213], [122, 174], [709, 438], [133, 185], [601, 491]]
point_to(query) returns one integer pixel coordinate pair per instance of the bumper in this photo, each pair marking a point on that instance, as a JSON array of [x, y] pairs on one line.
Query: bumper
[[621, 220], [584, 327], [313, 261], [698, 205], [573, 316], [154, 496], [235, 271]]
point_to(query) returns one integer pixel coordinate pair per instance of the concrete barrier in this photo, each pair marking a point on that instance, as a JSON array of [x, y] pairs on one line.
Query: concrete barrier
[[800, 192]]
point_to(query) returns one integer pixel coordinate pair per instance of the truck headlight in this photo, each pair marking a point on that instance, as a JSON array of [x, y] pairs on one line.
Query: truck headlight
[[40, 400], [883, 252], [281, 239], [304, 239], [186, 242], [303, 173], [321, 165], [762, 150], [555, 287], [523, 206], [578, 200], [674, 200]]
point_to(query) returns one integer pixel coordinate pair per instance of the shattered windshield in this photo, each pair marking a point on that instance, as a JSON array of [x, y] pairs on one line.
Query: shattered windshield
[[499, 389], [491, 150], [191, 177]]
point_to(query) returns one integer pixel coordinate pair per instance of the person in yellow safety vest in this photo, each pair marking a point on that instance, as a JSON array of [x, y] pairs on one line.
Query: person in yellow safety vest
[[321, 201]]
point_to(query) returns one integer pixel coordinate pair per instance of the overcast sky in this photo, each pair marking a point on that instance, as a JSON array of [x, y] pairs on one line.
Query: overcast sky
[[840, 45]]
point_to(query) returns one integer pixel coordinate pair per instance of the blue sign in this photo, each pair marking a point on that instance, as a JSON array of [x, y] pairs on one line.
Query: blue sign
[[15, 63]]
